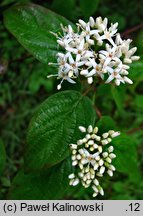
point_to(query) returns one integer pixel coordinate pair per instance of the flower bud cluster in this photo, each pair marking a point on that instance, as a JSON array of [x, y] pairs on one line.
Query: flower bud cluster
[[94, 50], [92, 157]]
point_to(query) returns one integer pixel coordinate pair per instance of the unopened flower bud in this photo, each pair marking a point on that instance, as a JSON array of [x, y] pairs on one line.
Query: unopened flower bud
[[82, 129]]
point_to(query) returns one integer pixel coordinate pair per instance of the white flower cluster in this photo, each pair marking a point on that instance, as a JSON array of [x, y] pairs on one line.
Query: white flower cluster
[[94, 50], [92, 158]]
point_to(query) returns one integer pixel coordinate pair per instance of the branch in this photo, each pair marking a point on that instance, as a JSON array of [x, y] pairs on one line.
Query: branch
[[88, 90], [135, 28], [135, 130], [98, 111]]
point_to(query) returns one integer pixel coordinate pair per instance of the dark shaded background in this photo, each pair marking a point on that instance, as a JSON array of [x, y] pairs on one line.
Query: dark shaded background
[[23, 85]]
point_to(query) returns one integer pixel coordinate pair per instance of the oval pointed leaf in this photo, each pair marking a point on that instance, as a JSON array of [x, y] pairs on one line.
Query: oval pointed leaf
[[126, 156], [32, 24], [55, 126], [45, 185], [119, 97]]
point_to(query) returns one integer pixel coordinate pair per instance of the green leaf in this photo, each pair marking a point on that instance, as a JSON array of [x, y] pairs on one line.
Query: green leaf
[[135, 71], [54, 126], [38, 79], [32, 24], [139, 42], [88, 7], [119, 96], [66, 9], [105, 124], [45, 185], [126, 156], [138, 102], [2, 157]]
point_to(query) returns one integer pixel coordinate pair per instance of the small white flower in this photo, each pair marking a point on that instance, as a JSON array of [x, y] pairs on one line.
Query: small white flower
[[90, 159], [73, 157], [87, 31], [105, 135], [101, 162], [111, 149], [109, 140], [72, 176], [88, 136], [108, 55], [111, 167], [73, 146], [101, 191], [95, 194], [104, 142], [78, 51], [112, 156], [108, 159], [96, 69], [115, 134], [74, 163], [84, 140], [96, 182], [74, 65], [79, 157], [83, 56], [107, 34], [75, 182], [82, 129], [96, 165], [74, 151], [105, 154], [110, 172], [90, 80], [101, 24], [91, 22], [114, 74], [127, 80], [90, 129], [100, 149], [79, 142], [95, 188], [95, 130], [97, 138], [102, 170], [90, 142]]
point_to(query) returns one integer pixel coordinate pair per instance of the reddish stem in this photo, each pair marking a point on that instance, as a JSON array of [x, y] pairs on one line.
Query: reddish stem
[[135, 28], [135, 130]]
